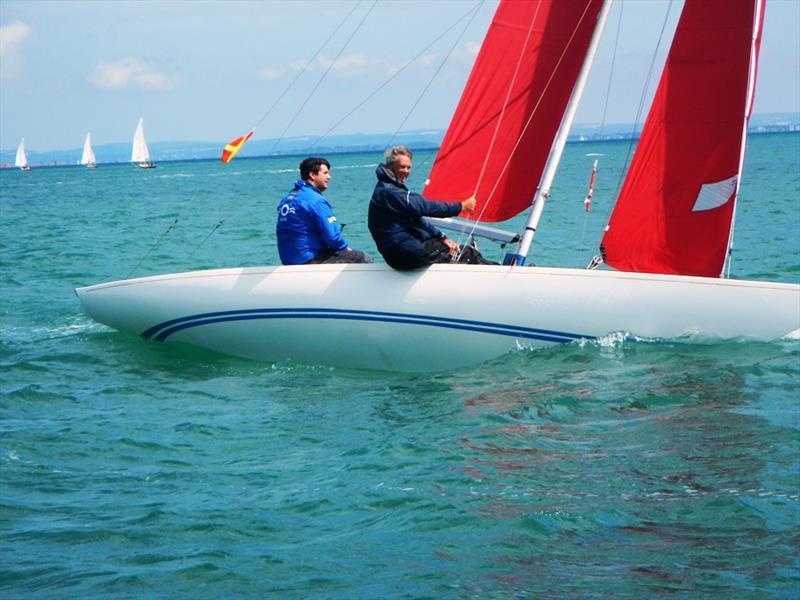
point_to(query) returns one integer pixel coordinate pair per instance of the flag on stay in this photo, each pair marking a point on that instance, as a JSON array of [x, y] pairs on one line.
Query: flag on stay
[[233, 147], [587, 203]]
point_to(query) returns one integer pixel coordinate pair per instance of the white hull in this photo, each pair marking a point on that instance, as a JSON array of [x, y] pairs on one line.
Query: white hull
[[443, 317]]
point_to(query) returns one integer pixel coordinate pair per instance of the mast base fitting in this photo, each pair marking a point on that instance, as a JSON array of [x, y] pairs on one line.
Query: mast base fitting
[[512, 259]]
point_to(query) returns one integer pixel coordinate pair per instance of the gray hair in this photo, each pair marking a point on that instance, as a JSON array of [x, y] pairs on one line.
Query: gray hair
[[392, 153]]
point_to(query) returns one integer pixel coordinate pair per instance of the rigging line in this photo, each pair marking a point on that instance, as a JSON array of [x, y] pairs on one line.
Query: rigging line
[[308, 64], [530, 118], [474, 11], [536, 108], [400, 70], [153, 247], [280, 97], [582, 248], [639, 111], [324, 75], [217, 226], [611, 74], [508, 96], [477, 8]]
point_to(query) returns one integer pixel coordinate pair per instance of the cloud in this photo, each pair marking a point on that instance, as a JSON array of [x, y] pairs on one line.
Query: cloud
[[359, 64], [270, 74], [131, 72], [11, 37], [348, 65]]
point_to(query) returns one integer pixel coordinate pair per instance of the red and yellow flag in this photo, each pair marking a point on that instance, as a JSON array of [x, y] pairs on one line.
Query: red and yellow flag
[[233, 147]]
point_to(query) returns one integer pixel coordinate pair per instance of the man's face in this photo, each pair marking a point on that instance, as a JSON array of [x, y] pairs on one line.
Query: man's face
[[320, 179], [401, 168]]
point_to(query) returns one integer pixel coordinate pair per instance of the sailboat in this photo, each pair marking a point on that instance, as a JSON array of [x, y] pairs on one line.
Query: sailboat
[[513, 117], [21, 159], [140, 153], [88, 158]]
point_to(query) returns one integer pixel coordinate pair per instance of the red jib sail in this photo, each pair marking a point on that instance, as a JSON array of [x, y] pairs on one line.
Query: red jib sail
[[675, 211], [500, 136]]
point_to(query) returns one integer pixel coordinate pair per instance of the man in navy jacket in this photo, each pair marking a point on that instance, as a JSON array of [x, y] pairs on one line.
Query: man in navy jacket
[[404, 238], [307, 230]]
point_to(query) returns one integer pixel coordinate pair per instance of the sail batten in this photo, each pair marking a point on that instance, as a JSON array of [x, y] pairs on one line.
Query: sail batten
[[675, 210], [540, 47]]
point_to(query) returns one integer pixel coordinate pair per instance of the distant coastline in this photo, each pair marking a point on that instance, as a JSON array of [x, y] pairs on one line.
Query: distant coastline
[[119, 153]]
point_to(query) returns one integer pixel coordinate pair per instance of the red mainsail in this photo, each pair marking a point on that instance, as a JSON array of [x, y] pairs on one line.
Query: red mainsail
[[675, 211], [500, 136]]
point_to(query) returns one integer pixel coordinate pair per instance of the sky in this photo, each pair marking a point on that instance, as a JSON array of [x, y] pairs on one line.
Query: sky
[[207, 70]]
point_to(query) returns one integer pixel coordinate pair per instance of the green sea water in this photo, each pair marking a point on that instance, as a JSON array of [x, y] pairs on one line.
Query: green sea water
[[618, 468]]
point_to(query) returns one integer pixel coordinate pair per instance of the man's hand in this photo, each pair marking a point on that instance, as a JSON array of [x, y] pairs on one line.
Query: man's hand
[[468, 205], [452, 247]]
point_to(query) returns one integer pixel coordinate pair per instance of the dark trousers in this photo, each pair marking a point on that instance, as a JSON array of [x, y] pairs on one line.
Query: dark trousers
[[437, 252], [329, 256]]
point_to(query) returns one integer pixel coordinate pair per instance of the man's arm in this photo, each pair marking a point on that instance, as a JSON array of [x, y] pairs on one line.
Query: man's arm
[[328, 227]]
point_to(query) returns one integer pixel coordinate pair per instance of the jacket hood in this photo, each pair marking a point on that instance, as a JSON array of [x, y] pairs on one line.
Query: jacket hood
[[385, 175]]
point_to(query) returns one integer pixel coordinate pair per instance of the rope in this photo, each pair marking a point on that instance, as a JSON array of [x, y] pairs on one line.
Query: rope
[[217, 226], [611, 74], [400, 70], [439, 68], [637, 120], [582, 248], [505, 102], [530, 118], [472, 11], [153, 247], [324, 75], [307, 65]]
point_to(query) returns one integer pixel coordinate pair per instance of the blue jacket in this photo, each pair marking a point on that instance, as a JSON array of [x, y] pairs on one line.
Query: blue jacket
[[396, 223], [306, 225]]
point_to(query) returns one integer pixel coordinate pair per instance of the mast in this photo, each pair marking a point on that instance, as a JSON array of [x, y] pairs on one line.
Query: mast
[[543, 191], [751, 88]]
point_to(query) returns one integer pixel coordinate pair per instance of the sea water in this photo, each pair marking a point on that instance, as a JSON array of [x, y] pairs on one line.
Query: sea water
[[617, 468]]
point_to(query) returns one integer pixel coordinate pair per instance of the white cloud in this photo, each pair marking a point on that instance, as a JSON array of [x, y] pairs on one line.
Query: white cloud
[[348, 65], [270, 74], [131, 72], [11, 37], [359, 64]]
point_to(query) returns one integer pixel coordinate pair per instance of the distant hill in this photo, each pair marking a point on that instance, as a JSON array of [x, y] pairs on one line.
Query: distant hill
[[418, 140], [166, 151]]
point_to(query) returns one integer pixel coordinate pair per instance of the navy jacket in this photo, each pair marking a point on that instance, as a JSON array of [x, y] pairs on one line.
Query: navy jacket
[[306, 225], [396, 223]]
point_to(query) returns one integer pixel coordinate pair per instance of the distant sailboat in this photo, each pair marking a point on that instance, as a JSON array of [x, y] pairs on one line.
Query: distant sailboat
[[22, 158], [140, 153], [87, 158]]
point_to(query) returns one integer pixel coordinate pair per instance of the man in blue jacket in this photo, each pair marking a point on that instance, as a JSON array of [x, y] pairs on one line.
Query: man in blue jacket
[[307, 229], [404, 238]]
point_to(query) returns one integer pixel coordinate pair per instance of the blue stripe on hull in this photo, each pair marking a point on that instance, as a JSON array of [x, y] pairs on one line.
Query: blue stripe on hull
[[163, 330]]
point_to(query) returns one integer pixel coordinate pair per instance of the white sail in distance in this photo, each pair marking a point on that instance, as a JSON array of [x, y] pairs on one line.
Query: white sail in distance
[[88, 158], [140, 152], [21, 160]]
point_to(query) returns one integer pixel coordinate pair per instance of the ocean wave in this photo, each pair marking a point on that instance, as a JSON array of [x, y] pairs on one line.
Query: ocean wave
[[76, 325]]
